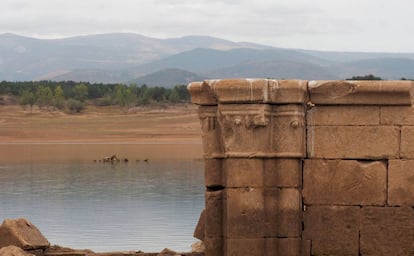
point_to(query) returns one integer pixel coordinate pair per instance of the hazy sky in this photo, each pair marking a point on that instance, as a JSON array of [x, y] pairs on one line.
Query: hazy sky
[[358, 25]]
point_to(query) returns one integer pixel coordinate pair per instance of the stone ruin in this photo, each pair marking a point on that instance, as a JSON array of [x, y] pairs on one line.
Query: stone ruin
[[298, 167]]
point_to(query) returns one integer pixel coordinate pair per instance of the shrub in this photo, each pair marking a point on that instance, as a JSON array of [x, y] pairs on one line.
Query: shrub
[[75, 106]]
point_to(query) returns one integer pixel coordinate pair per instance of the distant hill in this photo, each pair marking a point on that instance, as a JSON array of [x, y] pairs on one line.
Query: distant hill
[[124, 57], [23, 58], [168, 78], [279, 69], [390, 68]]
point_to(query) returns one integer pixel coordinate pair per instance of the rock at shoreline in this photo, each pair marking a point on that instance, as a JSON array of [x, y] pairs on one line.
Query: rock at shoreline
[[199, 230], [167, 252], [19, 237], [22, 233], [12, 250], [198, 247]]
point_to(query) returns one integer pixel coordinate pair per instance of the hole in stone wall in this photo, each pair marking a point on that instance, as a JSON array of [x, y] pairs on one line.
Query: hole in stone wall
[[214, 188]]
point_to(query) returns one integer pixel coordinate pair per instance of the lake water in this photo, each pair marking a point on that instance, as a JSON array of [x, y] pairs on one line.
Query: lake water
[[104, 207]]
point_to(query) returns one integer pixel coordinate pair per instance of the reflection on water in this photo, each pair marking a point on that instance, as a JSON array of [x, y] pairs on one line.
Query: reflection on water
[[104, 207]]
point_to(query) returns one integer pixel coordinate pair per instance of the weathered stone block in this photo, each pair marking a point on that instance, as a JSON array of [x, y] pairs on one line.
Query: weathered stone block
[[283, 212], [238, 247], [407, 142], [241, 172], [244, 213], [201, 226], [343, 115], [333, 230], [387, 231], [287, 91], [214, 246], [213, 173], [288, 131], [397, 115], [283, 247], [21, 233], [344, 182], [210, 92], [401, 183], [202, 93], [246, 129], [211, 132], [239, 90], [282, 173], [353, 142], [361, 92], [214, 213]]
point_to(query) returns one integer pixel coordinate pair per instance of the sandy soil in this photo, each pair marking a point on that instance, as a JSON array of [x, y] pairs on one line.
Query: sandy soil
[[44, 136]]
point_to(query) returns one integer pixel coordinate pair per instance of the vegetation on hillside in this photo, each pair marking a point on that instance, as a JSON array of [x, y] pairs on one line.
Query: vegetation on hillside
[[73, 96], [366, 77]]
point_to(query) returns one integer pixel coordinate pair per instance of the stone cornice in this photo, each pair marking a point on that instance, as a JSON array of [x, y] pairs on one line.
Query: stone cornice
[[361, 92], [213, 92]]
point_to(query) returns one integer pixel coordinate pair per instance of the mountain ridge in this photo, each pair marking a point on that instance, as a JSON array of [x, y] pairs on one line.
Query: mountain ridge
[[125, 57]]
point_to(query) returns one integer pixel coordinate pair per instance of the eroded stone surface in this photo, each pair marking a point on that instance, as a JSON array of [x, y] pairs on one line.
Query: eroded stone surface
[[245, 128], [288, 131], [287, 91], [333, 230], [214, 214], [353, 142], [361, 92], [387, 231], [282, 212], [201, 226], [399, 115], [343, 115], [21, 233], [238, 247], [239, 90], [241, 172], [407, 142], [212, 92], [344, 182], [211, 136], [244, 213], [282, 173], [283, 246], [254, 140], [202, 93], [213, 173], [401, 183], [214, 246]]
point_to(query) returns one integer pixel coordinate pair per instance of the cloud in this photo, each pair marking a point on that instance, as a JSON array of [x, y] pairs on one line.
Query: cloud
[[317, 24]]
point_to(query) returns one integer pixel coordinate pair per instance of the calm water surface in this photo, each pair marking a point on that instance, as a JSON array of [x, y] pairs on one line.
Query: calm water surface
[[104, 207]]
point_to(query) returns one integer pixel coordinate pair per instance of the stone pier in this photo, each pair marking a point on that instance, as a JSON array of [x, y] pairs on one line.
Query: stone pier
[[297, 167]]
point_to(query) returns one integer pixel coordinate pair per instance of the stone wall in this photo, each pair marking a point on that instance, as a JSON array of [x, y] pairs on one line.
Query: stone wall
[[307, 168]]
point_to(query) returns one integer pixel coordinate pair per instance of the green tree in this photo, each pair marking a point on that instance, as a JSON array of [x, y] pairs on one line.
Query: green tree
[[27, 98], [44, 96], [59, 98], [120, 95], [130, 97], [366, 77], [80, 92], [174, 97]]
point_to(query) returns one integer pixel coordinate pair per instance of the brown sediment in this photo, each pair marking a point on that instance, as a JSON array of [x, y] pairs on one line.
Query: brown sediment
[[46, 136]]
